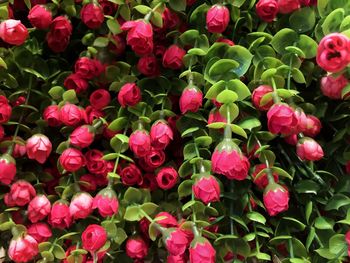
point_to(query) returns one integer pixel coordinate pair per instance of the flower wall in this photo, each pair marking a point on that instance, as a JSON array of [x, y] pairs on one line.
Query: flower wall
[[175, 131]]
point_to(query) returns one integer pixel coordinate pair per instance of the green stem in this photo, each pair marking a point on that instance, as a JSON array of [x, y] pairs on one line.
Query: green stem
[[276, 98], [149, 15], [94, 256]]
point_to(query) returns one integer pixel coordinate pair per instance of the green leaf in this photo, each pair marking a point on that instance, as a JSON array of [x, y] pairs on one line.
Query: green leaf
[[333, 21], [114, 26], [133, 213], [256, 217], [250, 123], [59, 252], [121, 236], [3, 63], [189, 131], [70, 96], [204, 141], [189, 37], [227, 96], [47, 256], [56, 92], [223, 69], [298, 76], [101, 42], [303, 20], [324, 223], [231, 109], [308, 46], [133, 195], [185, 169], [239, 88], [178, 5], [149, 208], [281, 172], [215, 89], [325, 253], [337, 245], [284, 38], [241, 55], [68, 235], [143, 9], [185, 188], [118, 124], [189, 151], [337, 201], [157, 19], [238, 130]]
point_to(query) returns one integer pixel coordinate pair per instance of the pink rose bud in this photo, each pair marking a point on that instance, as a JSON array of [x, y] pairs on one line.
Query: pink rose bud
[[302, 120], [173, 56], [23, 249], [131, 175], [106, 202], [166, 220], [308, 149], [129, 95], [288, 6], [52, 115], [100, 99], [226, 41], [202, 251], [94, 162], [92, 15], [72, 160], [276, 199], [291, 139], [313, 126], [82, 136], [5, 110], [13, 32], [161, 135], [7, 169], [152, 160], [191, 100], [207, 189], [87, 68], [148, 66], [332, 86], [60, 216], [59, 36], [38, 148], [333, 52], [40, 232], [347, 240], [218, 17], [75, 82], [38, 208], [262, 180], [93, 238], [140, 142], [281, 119], [170, 19], [81, 205], [20, 194], [140, 36], [267, 10], [215, 116], [167, 178], [258, 94], [176, 241], [40, 17], [229, 161], [136, 248], [71, 115]]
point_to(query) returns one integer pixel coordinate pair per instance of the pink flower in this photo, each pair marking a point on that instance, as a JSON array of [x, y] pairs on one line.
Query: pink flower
[[60, 217], [207, 189], [166, 220], [281, 119], [13, 32], [333, 52], [100, 98], [39, 148], [40, 17], [161, 135], [72, 160], [258, 94], [140, 142], [332, 86], [136, 248], [23, 249], [309, 149], [38, 208], [267, 10], [202, 251], [148, 66], [51, 114], [177, 242], [94, 237], [5, 110], [173, 56], [217, 19], [288, 6], [21, 193], [276, 199], [129, 95], [82, 136], [262, 180], [106, 202], [167, 178], [7, 168], [40, 232], [81, 205], [92, 15], [191, 100]]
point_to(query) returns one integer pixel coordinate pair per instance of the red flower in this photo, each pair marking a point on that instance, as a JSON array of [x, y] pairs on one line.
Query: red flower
[[131, 175], [38, 208], [190, 100], [72, 160], [94, 237], [82, 136], [38, 148], [13, 32], [313, 126], [92, 15], [267, 10], [51, 114], [215, 116], [170, 19], [177, 242], [333, 52], [227, 161], [262, 181], [106, 202], [94, 162], [20, 194], [276, 199], [217, 19], [129, 95], [152, 160], [202, 251], [23, 249], [140, 143], [148, 66], [71, 114], [207, 189], [309, 149], [136, 248], [173, 56], [258, 94], [140, 36], [75, 82], [40, 232], [40, 17], [87, 68], [288, 6], [332, 86], [5, 110], [281, 119], [161, 135], [167, 178], [166, 220], [60, 216], [59, 36], [81, 205], [7, 168], [347, 168], [100, 98]]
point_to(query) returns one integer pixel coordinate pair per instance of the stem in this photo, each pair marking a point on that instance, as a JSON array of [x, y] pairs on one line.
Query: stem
[[289, 72], [150, 13], [276, 98], [94, 256], [291, 250]]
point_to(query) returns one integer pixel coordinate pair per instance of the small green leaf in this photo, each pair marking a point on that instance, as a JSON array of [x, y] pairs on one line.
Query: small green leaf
[[256, 217], [227, 96]]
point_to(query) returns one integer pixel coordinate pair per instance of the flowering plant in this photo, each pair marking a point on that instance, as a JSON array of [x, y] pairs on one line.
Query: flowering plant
[[175, 131]]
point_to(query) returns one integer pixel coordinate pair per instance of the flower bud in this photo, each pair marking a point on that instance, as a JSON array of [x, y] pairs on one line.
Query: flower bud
[[92, 15], [281, 119], [267, 10], [7, 168], [308, 149], [38, 148], [207, 189], [167, 177], [191, 100], [5, 110], [332, 86], [51, 114], [176, 241], [38, 208], [262, 181], [13, 32], [217, 19], [136, 248], [82, 136], [129, 95], [106, 202], [258, 94], [202, 251], [173, 56], [140, 143], [166, 220], [81, 205], [276, 199], [40, 17], [72, 160], [60, 217], [100, 98], [21, 193], [23, 249], [93, 238], [161, 135], [40, 232]]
